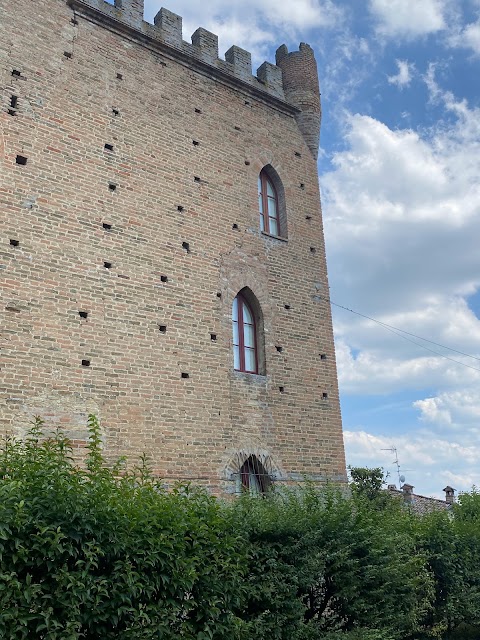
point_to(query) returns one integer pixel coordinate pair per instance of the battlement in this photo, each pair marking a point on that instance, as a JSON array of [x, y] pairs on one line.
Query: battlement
[[271, 80]]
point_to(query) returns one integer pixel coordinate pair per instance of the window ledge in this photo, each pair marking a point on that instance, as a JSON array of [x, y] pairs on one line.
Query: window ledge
[[269, 235], [251, 378]]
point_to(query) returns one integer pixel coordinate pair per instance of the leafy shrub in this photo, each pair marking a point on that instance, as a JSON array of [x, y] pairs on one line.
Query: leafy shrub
[[91, 554], [322, 561]]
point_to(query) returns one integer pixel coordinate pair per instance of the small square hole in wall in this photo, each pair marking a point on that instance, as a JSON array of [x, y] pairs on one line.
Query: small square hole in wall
[[213, 337], [286, 306], [107, 226], [67, 54], [308, 217], [195, 143], [14, 101], [247, 163], [163, 278], [85, 363], [298, 154], [107, 265], [162, 328], [108, 147], [279, 349], [83, 314], [237, 128], [235, 226], [16, 73], [324, 396], [180, 208], [185, 375], [313, 250], [14, 243], [112, 186], [281, 389], [323, 356], [198, 110], [302, 185], [219, 294], [21, 160], [119, 76], [186, 246], [115, 112], [197, 179]]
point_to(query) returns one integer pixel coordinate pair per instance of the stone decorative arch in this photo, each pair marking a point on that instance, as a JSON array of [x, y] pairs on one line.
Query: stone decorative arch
[[233, 469]]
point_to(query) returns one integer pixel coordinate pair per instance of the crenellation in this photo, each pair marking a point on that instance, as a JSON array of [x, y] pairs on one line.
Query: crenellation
[[169, 25], [241, 61], [134, 11], [205, 44], [114, 11], [271, 76], [167, 29]]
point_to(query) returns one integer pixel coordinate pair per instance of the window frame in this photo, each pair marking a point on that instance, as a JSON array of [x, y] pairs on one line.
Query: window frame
[[265, 181], [241, 303]]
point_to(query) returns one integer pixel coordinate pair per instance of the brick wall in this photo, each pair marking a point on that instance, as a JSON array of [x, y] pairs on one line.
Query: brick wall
[[101, 230]]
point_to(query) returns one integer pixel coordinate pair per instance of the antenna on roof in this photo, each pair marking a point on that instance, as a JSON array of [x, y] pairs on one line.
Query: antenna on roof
[[401, 478]]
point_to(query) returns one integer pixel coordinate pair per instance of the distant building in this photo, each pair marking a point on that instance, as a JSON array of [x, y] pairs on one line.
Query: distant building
[[423, 504]]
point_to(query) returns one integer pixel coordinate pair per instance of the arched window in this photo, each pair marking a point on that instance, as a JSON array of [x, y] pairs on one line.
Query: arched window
[[268, 205], [245, 353], [254, 477]]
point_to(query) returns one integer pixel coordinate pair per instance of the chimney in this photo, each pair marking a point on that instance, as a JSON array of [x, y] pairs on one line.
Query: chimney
[[449, 494], [392, 487], [407, 493]]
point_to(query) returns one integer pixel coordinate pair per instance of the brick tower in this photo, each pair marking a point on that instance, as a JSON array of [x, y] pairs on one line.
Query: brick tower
[[163, 258]]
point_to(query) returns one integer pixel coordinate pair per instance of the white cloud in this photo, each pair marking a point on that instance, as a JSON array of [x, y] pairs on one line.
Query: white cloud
[[458, 409], [471, 36], [404, 76], [402, 216], [408, 18], [467, 37], [433, 411]]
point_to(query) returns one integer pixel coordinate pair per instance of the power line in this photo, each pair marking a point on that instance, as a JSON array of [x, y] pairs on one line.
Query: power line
[[403, 334]]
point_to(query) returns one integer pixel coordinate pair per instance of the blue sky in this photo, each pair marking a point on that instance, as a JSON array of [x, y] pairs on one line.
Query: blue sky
[[400, 178]]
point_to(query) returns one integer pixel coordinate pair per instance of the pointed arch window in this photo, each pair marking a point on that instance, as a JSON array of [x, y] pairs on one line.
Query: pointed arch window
[[245, 352], [268, 205]]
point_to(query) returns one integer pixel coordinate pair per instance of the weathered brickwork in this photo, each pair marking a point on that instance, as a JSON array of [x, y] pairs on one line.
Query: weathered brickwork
[[127, 157]]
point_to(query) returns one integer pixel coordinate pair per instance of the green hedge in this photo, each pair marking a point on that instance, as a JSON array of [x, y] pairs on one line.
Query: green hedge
[[94, 554], [102, 553]]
